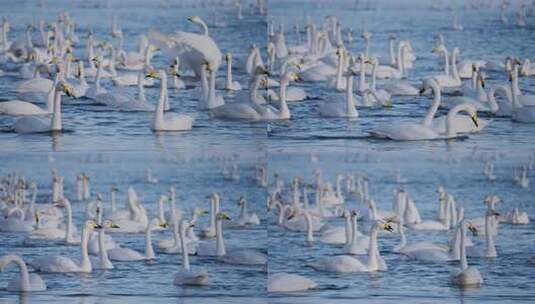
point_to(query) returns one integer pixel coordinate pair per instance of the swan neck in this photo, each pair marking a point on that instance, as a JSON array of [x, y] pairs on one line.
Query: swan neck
[[464, 262], [149, 251], [56, 115], [68, 229], [373, 251], [284, 110], [310, 234], [229, 74], [428, 120], [220, 243], [158, 115], [24, 274], [103, 251], [86, 262], [184, 244]]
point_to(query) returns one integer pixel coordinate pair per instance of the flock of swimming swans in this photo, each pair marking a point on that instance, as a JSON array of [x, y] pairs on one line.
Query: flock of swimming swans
[[53, 71]]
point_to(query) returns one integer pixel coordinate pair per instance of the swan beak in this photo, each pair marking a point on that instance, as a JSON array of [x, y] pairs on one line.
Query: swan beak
[[190, 18], [483, 82], [422, 91], [114, 226], [388, 227], [164, 225], [474, 120], [68, 91], [472, 229]]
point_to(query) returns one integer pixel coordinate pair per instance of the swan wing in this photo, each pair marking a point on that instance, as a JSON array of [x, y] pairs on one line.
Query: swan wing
[[404, 132], [124, 255], [55, 263], [18, 107]]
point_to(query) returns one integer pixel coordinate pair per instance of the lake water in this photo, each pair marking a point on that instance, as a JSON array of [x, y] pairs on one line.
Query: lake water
[[115, 149]]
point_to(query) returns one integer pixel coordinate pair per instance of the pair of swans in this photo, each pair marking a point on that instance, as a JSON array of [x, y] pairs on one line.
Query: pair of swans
[[65, 264], [445, 127], [125, 254], [42, 124], [167, 122], [448, 80], [347, 264]]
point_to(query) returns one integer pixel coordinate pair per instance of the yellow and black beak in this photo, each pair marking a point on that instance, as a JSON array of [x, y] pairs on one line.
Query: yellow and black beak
[[115, 226], [474, 120], [472, 229]]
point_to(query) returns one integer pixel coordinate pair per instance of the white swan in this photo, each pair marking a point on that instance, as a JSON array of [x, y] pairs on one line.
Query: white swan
[[193, 49], [186, 275], [170, 123], [425, 131], [283, 113], [227, 83], [516, 217], [490, 249], [19, 107], [441, 224], [24, 281], [244, 109], [68, 233], [287, 282], [236, 257], [103, 261], [339, 235], [124, 254], [39, 124], [527, 69], [60, 263], [521, 111], [342, 108], [359, 243], [465, 276], [344, 264], [210, 231], [246, 218], [446, 80]]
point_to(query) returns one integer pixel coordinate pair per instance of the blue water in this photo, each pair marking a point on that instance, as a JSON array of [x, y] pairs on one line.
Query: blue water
[[115, 148]]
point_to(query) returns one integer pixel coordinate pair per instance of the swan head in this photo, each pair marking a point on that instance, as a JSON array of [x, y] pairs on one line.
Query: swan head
[[92, 225], [195, 19], [386, 224], [228, 57], [114, 189], [392, 37], [199, 211], [152, 73], [109, 224], [65, 88], [222, 216], [439, 49], [492, 199], [472, 229], [366, 35], [260, 70], [242, 201]]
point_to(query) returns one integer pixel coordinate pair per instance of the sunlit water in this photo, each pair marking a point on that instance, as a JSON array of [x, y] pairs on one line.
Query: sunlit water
[[115, 148]]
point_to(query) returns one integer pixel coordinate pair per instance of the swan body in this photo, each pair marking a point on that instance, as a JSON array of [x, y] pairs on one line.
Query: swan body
[[286, 282], [64, 264], [246, 218], [161, 122], [466, 275], [19, 107], [24, 281], [187, 275], [15, 221]]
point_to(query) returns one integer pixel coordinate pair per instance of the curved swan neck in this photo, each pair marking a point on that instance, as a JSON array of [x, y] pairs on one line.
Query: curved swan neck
[[24, 275], [204, 26], [428, 120]]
